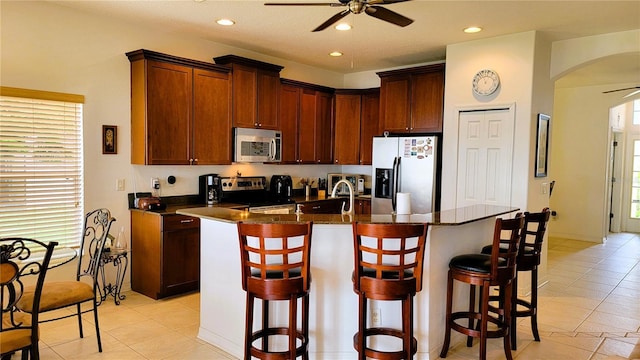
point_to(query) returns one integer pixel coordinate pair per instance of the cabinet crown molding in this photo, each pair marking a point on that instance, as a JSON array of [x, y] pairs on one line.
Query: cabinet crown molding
[[413, 70], [144, 54], [234, 59]]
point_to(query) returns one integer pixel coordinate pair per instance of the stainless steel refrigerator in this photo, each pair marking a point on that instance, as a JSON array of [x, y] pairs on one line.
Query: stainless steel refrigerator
[[404, 164]]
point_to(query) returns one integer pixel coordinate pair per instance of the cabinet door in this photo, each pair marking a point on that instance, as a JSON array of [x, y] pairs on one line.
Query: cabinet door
[[180, 256], [245, 96], [347, 129], [395, 103], [169, 104], [268, 87], [306, 129], [427, 94], [363, 207], [211, 118], [369, 125], [323, 138], [145, 253], [288, 118]]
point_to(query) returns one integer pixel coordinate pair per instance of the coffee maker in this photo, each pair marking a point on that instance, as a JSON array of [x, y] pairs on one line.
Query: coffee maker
[[210, 191], [281, 187]]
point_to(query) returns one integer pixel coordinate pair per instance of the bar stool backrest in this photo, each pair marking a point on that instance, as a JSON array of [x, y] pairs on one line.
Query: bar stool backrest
[[535, 225], [388, 253], [275, 258], [504, 250]]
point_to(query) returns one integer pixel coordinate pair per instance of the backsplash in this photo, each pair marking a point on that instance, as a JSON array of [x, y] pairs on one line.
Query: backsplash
[[187, 176]]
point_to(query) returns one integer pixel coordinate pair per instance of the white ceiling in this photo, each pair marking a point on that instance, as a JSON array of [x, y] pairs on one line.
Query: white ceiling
[[285, 31]]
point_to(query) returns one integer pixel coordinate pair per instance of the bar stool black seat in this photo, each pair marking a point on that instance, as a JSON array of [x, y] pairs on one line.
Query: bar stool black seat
[[495, 269], [528, 259], [275, 262], [388, 266]]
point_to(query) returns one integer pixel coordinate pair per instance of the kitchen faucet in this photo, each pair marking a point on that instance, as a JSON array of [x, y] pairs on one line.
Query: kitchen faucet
[[350, 186]]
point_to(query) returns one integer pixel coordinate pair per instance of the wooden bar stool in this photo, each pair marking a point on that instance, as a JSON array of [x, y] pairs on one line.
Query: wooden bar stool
[[388, 266], [275, 262], [528, 259], [485, 270]]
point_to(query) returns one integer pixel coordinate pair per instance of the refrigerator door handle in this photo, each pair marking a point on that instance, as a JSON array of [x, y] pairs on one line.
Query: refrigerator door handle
[[396, 183]]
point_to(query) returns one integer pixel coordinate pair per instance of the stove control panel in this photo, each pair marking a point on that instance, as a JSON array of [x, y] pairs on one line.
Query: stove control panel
[[243, 183]]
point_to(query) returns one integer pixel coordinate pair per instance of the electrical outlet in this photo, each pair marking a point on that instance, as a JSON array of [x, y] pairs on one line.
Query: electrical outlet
[[376, 317], [155, 183], [120, 185]]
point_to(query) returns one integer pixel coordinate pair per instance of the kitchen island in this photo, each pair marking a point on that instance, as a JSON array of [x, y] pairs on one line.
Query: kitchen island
[[333, 304]]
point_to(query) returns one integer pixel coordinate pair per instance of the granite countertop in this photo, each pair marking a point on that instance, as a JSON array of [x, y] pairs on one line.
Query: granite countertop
[[456, 216]]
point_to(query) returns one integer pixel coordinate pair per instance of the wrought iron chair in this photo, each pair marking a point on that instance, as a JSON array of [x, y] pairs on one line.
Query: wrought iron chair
[[20, 257], [61, 294]]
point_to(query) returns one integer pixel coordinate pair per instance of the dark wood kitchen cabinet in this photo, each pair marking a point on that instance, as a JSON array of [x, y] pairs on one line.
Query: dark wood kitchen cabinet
[[305, 114], [412, 100], [180, 111], [165, 254], [356, 122], [255, 92]]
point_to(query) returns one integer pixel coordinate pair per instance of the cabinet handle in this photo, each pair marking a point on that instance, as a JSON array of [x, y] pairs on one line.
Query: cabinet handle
[[336, 161], [406, 128], [195, 161], [316, 207], [186, 221]]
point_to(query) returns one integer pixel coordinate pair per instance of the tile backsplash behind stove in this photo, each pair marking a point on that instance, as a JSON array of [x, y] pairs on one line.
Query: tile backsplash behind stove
[[187, 176]]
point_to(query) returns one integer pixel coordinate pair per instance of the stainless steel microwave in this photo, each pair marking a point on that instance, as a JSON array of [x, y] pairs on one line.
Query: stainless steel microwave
[[257, 145]]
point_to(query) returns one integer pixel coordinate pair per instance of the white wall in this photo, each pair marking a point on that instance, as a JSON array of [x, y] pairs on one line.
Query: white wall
[[580, 137], [512, 57], [579, 161]]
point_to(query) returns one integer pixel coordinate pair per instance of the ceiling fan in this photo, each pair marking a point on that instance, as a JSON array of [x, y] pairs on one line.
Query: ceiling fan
[[369, 7], [637, 91]]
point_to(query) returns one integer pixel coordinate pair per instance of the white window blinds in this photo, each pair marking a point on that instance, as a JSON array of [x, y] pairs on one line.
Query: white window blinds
[[41, 174]]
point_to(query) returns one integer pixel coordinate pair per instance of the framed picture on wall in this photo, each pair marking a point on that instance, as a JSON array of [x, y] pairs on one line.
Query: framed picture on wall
[[542, 145], [109, 139]]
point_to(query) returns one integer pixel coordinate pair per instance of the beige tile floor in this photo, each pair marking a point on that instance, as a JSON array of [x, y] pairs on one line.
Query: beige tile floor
[[589, 309]]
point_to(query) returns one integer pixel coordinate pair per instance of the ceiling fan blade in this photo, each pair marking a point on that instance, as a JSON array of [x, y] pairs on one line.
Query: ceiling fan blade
[[374, 2], [335, 18], [388, 15], [632, 93], [629, 88], [303, 4]]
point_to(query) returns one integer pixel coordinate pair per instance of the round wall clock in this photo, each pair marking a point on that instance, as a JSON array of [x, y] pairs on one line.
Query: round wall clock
[[485, 82]]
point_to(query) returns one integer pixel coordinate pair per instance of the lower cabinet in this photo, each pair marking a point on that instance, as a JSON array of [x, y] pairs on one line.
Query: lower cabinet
[[165, 254], [328, 206], [362, 206]]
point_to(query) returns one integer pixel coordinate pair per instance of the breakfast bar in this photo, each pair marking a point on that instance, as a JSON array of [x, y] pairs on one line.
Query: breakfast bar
[[333, 304]]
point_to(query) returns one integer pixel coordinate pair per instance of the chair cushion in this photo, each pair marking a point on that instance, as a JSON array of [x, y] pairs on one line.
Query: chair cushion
[[58, 294], [480, 263], [388, 275], [503, 248], [13, 340], [276, 274]]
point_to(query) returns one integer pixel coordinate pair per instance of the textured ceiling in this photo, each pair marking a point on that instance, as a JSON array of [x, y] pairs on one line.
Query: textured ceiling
[[285, 31]]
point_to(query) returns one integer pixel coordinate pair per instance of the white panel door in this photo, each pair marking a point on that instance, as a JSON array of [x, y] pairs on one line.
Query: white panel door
[[485, 155]]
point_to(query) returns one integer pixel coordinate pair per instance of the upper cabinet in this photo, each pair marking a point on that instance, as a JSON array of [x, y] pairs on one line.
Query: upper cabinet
[[180, 110], [255, 92], [305, 121], [356, 122], [412, 100]]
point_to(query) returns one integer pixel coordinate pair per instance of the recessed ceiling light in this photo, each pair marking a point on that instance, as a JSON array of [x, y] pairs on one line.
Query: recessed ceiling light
[[335, 53], [343, 26], [225, 22], [472, 29]]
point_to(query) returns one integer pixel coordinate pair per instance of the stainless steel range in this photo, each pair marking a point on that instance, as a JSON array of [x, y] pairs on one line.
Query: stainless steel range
[[252, 191]]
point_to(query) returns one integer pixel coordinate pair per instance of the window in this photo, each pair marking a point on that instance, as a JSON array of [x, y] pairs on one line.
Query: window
[[635, 181], [636, 112], [41, 173]]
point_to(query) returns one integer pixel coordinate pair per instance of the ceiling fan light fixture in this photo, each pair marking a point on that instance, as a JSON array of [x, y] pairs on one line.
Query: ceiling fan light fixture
[[225, 22], [343, 27], [335, 53], [472, 29]]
